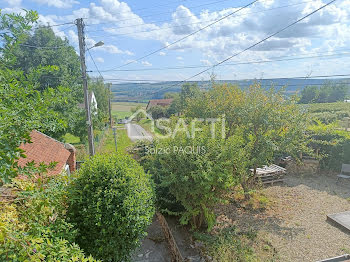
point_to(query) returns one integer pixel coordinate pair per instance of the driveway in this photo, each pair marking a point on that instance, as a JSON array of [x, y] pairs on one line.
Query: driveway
[[136, 132]]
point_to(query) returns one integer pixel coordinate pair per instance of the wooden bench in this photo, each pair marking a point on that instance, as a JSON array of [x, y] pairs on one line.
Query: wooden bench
[[345, 172]]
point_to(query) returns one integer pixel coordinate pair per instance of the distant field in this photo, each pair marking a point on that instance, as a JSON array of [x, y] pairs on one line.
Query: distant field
[[121, 110], [329, 112]]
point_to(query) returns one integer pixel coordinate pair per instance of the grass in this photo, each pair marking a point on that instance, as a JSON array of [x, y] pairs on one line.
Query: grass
[[71, 139], [122, 110], [123, 141], [147, 125], [228, 244]]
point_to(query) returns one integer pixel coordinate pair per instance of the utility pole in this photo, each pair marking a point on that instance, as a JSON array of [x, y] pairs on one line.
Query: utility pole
[[109, 105], [115, 138], [81, 36]]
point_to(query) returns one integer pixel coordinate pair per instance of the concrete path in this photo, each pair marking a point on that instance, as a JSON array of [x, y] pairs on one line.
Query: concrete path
[[136, 132]]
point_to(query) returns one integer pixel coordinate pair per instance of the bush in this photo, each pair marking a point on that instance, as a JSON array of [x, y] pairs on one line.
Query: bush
[[333, 145], [33, 227], [111, 206], [193, 174]]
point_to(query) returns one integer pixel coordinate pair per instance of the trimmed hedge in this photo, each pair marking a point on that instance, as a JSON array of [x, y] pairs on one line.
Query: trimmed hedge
[[111, 206]]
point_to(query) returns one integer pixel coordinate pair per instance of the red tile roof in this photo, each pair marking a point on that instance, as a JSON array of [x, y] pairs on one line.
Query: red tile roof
[[159, 102], [45, 149]]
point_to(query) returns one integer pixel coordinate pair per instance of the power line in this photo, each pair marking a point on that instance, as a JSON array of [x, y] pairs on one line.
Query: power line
[[246, 79], [187, 36], [263, 40], [277, 59], [112, 35], [41, 47], [55, 25], [94, 63]]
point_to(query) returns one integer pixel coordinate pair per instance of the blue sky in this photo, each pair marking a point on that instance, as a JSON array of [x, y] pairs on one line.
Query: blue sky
[[133, 28]]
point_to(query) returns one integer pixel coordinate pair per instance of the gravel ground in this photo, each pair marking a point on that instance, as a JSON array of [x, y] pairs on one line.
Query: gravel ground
[[295, 220]]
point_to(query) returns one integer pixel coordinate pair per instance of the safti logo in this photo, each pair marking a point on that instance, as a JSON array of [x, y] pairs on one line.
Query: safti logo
[[135, 132]]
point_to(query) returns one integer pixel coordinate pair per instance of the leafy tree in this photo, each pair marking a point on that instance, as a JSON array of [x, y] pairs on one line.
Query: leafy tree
[[139, 116], [170, 95], [270, 124], [158, 111], [15, 28], [175, 106], [22, 107], [58, 59], [327, 93], [309, 94], [111, 205], [188, 91]]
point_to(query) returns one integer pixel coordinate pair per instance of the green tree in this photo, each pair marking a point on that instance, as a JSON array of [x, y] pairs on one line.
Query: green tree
[[271, 124], [22, 107], [188, 91], [309, 94], [59, 62]]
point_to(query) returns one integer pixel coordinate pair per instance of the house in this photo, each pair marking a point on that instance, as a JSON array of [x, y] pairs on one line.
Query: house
[[45, 149], [93, 103], [159, 102]]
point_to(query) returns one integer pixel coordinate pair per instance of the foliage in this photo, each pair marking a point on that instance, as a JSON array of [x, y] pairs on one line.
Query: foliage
[[192, 173], [57, 54], [333, 145], [34, 227], [158, 111], [270, 124], [102, 96], [188, 91], [327, 93], [329, 112], [138, 116], [111, 205], [230, 245], [23, 109], [15, 28]]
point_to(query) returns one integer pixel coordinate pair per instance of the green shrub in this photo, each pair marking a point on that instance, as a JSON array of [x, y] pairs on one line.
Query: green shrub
[[111, 206], [193, 174], [333, 145], [34, 226]]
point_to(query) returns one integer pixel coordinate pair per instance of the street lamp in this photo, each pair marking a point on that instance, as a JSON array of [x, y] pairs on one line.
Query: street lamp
[[100, 43]]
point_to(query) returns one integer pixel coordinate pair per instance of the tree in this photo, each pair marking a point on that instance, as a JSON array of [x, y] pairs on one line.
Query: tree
[[309, 94], [58, 60], [22, 107], [158, 111], [134, 110], [188, 91], [270, 124]]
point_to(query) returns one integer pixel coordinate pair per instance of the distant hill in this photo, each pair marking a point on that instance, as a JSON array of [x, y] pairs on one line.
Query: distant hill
[[142, 92]]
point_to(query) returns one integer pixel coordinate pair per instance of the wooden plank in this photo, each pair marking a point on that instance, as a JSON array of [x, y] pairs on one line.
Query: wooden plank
[[175, 252]]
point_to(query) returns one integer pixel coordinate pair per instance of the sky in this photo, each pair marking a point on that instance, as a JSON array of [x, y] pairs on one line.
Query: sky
[[131, 29]]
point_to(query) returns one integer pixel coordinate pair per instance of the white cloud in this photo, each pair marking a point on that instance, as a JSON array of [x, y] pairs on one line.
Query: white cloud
[[100, 60], [162, 53], [57, 3], [206, 62], [14, 3], [146, 63], [180, 58]]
